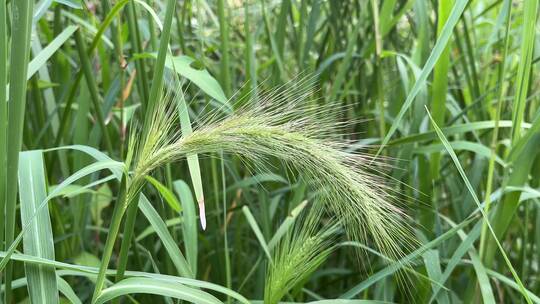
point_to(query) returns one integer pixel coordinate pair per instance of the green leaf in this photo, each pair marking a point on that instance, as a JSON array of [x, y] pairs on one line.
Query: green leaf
[[433, 267], [192, 159], [461, 145], [530, 10], [95, 167], [76, 4], [165, 193], [41, 58], [90, 272], [157, 287], [67, 291], [155, 220], [469, 187], [200, 77], [395, 266], [438, 49], [38, 240], [189, 223], [286, 225], [255, 227]]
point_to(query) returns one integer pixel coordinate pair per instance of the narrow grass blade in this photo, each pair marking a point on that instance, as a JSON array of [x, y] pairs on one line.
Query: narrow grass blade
[[473, 194], [394, 267], [38, 240], [156, 287], [160, 227], [93, 89], [95, 167], [189, 223], [192, 159], [167, 194], [3, 116], [530, 11], [67, 291], [438, 49], [20, 52], [433, 267], [90, 272], [224, 35], [255, 227], [40, 59], [286, 225], [157, 79]]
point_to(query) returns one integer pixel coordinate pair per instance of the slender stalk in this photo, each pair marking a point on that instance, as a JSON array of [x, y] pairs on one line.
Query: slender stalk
[[93, 88], [530, 15], [491, 166], [3, 121], [438, 105], [157, 78], [224, 36], [140, 65], [251, 74], [119, 209], [20, 52], [151, 29], [3, 115], [378, 67], [228, 278], [129, 226]]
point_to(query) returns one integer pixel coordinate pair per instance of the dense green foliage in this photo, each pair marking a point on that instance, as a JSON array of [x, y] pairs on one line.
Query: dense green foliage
[[371, 151]]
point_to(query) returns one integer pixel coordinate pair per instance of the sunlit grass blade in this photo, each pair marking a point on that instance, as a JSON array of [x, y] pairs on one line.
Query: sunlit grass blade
[[90, 272], [40, 59], [90, 169], [157, 287], [38, 240], [21, 24]]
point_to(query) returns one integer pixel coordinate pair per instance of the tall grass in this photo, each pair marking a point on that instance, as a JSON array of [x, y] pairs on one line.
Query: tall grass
[[294, 133]]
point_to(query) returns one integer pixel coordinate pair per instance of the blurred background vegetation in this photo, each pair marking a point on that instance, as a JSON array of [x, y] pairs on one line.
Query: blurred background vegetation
[[81, 72]]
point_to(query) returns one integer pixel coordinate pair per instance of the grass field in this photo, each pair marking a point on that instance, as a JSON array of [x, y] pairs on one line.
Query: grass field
[[265, 151]]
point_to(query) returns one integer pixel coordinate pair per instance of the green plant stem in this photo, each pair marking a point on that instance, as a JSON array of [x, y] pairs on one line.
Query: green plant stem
[[92, 87], [119, 209], [129, 226], [378, 67], [20, 52], [3, 121], [530, 15], [140, 65], [251, 74], [151, 29], [155, 90], [491, 166], [224, 36], [3, 116], [157, 78], [228, 278]]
